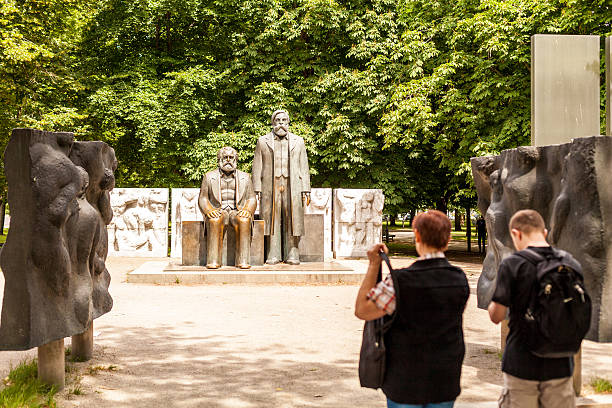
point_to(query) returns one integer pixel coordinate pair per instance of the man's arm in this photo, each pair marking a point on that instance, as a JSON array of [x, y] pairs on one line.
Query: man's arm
[[366, 309], [256, 172], [497, 312]]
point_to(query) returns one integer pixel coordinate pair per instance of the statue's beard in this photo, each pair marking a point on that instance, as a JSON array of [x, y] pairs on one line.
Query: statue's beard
[[228, 167], [281, 130]]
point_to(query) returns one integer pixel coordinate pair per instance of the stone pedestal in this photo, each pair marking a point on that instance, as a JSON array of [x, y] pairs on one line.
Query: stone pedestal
[[312, 243], [194, 244], [577, 380], [51, 364], [82, 345]]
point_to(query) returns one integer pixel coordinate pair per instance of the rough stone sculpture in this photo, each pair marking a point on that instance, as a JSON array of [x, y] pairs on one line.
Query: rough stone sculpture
[[140, 222], [56, 281], [357, 220], [227, 198], [569, 185], [184, 208], [281, 179]]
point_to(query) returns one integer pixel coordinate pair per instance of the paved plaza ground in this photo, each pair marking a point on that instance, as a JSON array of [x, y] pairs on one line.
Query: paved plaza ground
[[256, 346]]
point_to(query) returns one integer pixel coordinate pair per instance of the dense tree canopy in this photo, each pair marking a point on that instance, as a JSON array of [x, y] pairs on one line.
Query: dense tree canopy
[[388, 94]]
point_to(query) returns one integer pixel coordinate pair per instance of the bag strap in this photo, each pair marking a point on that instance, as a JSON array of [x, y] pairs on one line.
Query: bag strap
[[389, 322], [531, 256]]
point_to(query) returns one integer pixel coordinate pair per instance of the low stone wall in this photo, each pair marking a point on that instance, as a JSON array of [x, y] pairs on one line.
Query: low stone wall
[[352, 220]]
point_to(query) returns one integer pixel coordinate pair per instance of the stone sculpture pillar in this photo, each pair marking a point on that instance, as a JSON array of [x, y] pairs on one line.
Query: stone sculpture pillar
[[608, 53], [56, 281], [568, 184], [564, 88]]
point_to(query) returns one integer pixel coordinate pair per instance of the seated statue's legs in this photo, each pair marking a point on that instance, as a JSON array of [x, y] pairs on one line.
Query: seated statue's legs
[[214, 240], [242, 227]]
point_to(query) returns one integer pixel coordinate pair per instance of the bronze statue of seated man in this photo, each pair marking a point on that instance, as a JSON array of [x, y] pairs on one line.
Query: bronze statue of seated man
[[227, 198]]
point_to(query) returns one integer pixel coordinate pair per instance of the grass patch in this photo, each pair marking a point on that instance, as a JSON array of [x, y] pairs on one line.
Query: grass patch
[[93, 370], [601, 385], [24, 390], [77, 390], [402, 249]]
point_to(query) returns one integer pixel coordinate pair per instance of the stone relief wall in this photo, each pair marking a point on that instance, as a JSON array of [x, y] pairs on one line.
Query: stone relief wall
[[357, 220], [140, 222], [184, 208], [56, 281], [568, 184], [363, 221], [321, 203]]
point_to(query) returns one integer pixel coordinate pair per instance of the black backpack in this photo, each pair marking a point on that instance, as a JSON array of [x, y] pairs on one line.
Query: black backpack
[[559, 312]]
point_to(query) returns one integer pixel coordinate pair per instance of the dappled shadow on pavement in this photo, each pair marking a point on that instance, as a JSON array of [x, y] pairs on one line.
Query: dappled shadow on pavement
[[167, 369]]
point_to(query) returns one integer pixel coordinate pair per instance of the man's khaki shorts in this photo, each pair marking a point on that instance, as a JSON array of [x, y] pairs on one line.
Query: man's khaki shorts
[[519, 393]]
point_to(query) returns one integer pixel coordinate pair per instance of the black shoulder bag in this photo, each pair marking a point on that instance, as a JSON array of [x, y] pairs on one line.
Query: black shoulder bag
[[373, 352]]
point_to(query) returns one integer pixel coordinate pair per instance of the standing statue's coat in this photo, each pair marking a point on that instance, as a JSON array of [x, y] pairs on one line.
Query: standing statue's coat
[[299, 179]]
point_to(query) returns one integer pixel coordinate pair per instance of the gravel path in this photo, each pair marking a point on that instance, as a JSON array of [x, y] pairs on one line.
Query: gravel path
[[253, 346]]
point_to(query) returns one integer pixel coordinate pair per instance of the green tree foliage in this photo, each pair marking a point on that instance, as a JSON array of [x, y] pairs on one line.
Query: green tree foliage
[[466, 91], [395, 95]]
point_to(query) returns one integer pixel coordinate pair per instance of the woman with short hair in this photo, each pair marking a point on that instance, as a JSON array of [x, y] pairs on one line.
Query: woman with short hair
[[425, 346]]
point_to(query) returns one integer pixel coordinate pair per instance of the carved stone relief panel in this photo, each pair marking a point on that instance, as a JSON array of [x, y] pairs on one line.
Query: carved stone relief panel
[[321, 203], [140, 222], [357, 220], [184, 208]]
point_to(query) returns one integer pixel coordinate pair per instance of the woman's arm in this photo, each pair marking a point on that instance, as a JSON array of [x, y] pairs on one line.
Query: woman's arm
[[366, 309]]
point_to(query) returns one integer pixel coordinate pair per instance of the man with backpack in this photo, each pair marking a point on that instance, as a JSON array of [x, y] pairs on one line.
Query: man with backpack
[[549, 315]]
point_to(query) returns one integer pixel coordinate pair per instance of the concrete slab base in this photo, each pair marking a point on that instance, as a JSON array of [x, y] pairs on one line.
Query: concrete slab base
[[167, 273]]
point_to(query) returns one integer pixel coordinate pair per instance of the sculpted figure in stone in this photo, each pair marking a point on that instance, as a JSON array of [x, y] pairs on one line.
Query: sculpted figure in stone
[[281, 179], [227, 198], [56, 281], [368, 219], [568, 184]]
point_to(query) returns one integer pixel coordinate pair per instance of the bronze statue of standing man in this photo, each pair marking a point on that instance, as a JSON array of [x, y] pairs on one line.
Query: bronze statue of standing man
[[281, 180], [227, 198]]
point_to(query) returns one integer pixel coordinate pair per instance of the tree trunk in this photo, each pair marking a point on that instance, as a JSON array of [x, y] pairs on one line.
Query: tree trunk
[[2, 214], [157, 33], [169, 47], [457, 220], [441, 205], [392, 219], [468, 227], [411, 217]]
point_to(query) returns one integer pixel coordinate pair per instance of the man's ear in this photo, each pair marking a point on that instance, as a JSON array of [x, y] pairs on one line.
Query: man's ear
[[417, 236], [545, 233], [516, 233]]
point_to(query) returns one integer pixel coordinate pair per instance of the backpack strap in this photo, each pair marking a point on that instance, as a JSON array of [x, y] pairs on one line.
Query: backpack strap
[[530, 255], [533, 258], [389, 322]]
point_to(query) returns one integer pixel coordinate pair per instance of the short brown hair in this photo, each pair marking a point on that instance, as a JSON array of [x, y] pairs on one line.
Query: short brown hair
[[527, 221], [434, 228]]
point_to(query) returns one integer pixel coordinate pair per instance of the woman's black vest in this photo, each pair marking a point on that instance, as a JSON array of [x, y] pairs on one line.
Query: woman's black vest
[[425, 343]]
